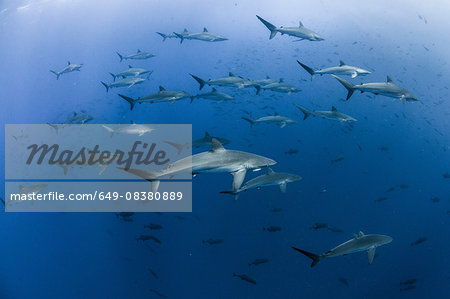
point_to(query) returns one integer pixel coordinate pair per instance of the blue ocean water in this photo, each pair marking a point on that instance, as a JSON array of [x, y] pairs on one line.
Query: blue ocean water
[[394, 151]]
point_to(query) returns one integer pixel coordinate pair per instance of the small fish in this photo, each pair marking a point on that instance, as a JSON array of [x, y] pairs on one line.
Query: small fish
[[245, 277], [291, 151], [335, 230], [272, 229], [403, 186], [319, 225], [153, 226], [125, 216], [419, 241], [158, 293], [153, 273], [343, 281], [446, 175], [408, 288], [258, 262], [383, 198], [435, 199], [337, 159], [144, 238], [389, 190], [212, 241], [276, 210], [383, 148], [409, 281]]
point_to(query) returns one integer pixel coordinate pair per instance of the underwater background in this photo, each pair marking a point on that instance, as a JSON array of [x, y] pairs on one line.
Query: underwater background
[[387, 173]]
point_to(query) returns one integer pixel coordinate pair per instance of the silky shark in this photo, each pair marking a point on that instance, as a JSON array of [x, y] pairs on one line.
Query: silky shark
[[342, 69], [266, 81], [162, 96], [76, 119], [359, 243], [281, 86], [201, 142], [70, 67], [231, 80], [301, 31], [277, 119], [131, 72], [272, 178], [218, 159], [205, 36], [127, 81], [333, 114], [132, 129], [138, 55], [164, 36], [388, 89], [213, 95]]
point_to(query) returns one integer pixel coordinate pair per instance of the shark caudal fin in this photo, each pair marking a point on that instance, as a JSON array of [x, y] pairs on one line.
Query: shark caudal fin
[[199, 80], [162, 35], [120, 56], [114, 76], [251, 121], [236, 194], [305, 111], [271, 27], [150, 175], [179, 147], [111, 131], [308, 69], [56, 73], [315, 257], [106, 85], [180, 36], [129, 100], [347, 85]]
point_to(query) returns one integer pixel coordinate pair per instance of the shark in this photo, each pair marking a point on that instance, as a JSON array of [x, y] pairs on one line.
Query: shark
[[271, 178], [70, 67], [131, 72], [76, 119], [205, 36], [388, 89], [300, 32], [127, 81], [231, 80], [213, 95], [333, 114], [132, 129], [281, 86], [360, 242], [282, 121], [162, 96], [266, 81], [342, 69], [138, 55], [164, 36], [218, 159], [201, 142]]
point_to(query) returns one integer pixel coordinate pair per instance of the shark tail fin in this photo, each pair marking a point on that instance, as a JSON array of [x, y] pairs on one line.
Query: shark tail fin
[[315, 257], [56, 73], [179, 147], [106, 85], [114, 76], [251, 121], [162, 35], [199, 80], [350, 88], [271, 27], [236, 194], [308, 69], [305, 111], [129, 100], [111, 131], [54, 127], [120, 56]]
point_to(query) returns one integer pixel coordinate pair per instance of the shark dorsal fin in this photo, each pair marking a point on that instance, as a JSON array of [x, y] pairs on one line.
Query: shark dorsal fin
[[269, 170], [230, 74], [389, 79], [216, 145], [341, 63], [275, 113], [185, 30], [281, 80], [139, 51], [161, 88], [207, 135], [300, 24], [214, 90], [359, 235], [129, 66], [205, 30], [333, 109], [68, 62], [132, 122]]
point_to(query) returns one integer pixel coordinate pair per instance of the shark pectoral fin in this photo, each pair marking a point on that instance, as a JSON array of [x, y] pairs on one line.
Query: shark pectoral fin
[[102, 169], [354, 74], [403, 99], [283, 124], [283, 187], [289, 93], [238, 178], [172, 102], [371, 254], [155, 185]]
